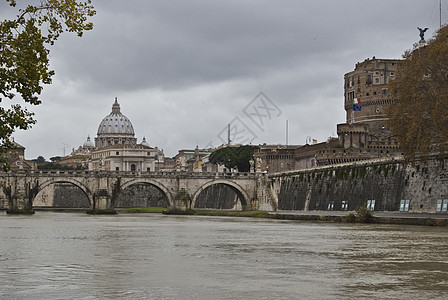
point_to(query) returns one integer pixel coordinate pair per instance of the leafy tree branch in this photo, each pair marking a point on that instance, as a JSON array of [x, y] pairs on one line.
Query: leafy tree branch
[[24, 63]]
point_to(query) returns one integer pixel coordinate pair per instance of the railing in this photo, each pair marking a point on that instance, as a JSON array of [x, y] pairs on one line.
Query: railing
[[150, 174]]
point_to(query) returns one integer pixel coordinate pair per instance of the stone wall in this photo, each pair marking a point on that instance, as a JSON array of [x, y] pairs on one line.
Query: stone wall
[[61, 195], [218, 196], [345, 187], [141, 195], [138, 195]]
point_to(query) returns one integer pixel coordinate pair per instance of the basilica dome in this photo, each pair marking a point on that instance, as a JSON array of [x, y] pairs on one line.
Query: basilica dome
[[116, 123], [115, 129]]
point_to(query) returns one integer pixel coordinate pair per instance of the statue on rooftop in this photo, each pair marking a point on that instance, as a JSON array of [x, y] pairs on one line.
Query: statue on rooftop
[[422, 33]]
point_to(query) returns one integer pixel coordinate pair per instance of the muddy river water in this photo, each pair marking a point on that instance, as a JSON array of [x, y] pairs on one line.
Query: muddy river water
[[152, 256]]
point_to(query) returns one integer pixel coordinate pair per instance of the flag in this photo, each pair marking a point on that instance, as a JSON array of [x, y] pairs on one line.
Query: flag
[[356, 101], [356, 107]]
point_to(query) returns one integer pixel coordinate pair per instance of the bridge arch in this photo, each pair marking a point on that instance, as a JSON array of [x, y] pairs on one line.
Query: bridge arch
[[163, 189], [240, 192], [77, 183]]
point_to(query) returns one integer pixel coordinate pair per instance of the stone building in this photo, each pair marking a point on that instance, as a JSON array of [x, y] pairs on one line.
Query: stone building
[[16, 158], [126, 157], [191, 160], [277, 158], [366, 99], [115, 129], [79, 158], [363, 136], [116, 147]]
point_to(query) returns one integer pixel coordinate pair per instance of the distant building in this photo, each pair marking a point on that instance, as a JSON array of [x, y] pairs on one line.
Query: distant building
[[79, 158], [116, 147], [192, 160], [115, 129], [277, 158], [126, 157], [16, 159]]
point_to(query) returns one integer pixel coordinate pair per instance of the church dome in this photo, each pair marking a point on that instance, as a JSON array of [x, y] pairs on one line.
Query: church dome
[[115, 123], [88, 143], [115, 129]]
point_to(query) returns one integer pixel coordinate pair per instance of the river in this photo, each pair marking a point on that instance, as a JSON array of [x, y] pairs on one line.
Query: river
[[152, 256]]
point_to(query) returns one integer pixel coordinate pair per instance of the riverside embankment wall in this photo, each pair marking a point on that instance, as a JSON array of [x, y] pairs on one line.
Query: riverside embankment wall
[[387, 185]]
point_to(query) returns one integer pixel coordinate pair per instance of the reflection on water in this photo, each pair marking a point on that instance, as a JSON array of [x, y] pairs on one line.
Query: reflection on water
[[64, 256]]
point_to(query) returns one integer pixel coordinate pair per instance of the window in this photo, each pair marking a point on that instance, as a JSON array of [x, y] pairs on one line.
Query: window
[[148, 169], [344, 205], [133, 168], [331, 205], [350, 96], [371, 204], [442, 205], [404, 205], [117, 153], [367, 94], [117, 168]]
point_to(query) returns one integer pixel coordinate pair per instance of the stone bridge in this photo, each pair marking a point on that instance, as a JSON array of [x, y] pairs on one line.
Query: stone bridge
[[383, 185], [19, 189]]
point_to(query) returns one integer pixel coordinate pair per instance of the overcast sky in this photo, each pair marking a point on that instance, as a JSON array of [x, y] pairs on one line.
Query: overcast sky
[[183, 70]]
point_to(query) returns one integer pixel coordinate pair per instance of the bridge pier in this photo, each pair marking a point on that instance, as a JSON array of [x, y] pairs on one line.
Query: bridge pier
[[102, 203], [20, 195]]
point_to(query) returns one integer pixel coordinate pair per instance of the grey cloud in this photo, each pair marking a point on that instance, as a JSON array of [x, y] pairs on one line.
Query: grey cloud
[[183, 69]]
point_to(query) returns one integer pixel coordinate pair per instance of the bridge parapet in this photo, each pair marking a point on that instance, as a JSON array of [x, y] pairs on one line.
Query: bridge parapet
[[150, 174]]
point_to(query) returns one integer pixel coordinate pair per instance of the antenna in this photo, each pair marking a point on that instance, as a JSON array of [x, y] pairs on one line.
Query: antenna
[[228, 134], [287, 133], [64, 145]]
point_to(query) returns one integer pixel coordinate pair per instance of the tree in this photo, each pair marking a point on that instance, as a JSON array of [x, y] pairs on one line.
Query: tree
[[419, 118], [40, 159], [233, 157], [24, 63], [55, 159]]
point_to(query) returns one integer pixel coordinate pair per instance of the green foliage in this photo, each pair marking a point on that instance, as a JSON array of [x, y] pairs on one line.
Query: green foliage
[[232, 213], [350, 218], [364, 215], [56, 166], [185, 198], [24, 63], [40, 159], [55, 159], [419, 119], [143, 210], [361, 215], [233, 157]]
